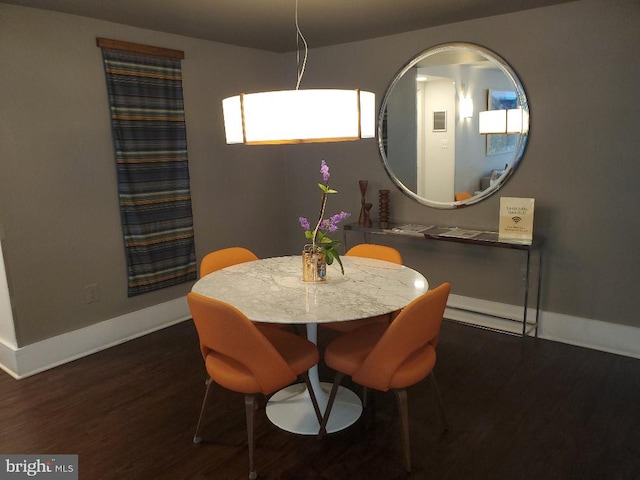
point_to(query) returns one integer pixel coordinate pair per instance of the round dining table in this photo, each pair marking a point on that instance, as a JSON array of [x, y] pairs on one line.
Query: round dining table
[[271, 290]]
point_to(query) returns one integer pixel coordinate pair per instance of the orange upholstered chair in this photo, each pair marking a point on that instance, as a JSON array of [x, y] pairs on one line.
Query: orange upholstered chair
[[380, 252], [242, 358], [392, 356], [225, 257], [368, 250], [459, 196]]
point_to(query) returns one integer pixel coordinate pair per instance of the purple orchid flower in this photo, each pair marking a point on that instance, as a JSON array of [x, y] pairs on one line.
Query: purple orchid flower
[[304, 223], [324, 169]]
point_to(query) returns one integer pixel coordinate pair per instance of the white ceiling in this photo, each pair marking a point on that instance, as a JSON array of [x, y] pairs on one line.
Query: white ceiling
[[270, 24]]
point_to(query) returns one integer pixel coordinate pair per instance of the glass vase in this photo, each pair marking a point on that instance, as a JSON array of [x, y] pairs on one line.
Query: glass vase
[[314, 265]]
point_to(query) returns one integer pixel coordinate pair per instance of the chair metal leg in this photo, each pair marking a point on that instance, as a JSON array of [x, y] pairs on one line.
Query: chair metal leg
[[314, 399], [196, 438], [332, 397], [250, 408], [404, 420], [445, 424]]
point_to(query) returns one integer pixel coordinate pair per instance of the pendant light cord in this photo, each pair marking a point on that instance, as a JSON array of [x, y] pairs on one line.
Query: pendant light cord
[[299, 36]]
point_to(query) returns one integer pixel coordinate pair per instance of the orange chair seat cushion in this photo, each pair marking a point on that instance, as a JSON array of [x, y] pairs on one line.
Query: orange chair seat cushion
[[414, 369], [237, 377], [347, 353], [297, 351]]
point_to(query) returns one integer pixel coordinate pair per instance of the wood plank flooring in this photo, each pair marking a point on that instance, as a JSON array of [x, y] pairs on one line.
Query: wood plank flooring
[[517, 409]]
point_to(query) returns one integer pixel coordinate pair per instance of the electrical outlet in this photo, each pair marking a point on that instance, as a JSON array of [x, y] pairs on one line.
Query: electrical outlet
[[91, 293]]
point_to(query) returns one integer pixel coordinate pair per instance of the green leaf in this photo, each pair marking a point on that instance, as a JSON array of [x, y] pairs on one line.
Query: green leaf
[[326, 190], [328, 257]]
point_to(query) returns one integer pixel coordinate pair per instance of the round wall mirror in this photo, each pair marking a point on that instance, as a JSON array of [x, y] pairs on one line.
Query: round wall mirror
[[453, 125]]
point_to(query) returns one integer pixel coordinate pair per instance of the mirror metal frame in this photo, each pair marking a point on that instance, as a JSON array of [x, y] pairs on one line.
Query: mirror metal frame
[[520, 147]]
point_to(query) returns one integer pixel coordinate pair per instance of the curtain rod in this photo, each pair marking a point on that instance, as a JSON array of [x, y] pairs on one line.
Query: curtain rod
[[138, 48]]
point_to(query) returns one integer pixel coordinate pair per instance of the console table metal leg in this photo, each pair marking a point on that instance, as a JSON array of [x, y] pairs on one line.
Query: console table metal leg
[[526, 295], [539, 288]]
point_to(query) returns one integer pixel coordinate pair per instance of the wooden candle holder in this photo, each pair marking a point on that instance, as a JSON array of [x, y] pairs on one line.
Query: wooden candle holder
[[383, 208]]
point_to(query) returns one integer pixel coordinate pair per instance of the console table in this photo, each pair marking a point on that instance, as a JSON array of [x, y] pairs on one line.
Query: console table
[[470, 237]]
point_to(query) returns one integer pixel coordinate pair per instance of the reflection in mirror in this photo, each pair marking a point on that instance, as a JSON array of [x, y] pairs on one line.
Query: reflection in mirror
[[453, 125]]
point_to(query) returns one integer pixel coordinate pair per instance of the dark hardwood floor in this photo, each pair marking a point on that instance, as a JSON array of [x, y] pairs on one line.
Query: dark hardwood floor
[[517, 409]]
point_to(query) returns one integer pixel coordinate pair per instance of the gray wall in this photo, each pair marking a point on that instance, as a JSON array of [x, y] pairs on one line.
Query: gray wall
[[58, 197], [579, 66], [58, 200]]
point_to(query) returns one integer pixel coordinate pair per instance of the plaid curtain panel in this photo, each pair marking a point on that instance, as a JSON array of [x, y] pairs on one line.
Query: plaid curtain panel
[[150, 143]]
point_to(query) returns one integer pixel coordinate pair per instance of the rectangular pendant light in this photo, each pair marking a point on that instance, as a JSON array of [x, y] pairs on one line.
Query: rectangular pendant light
[[514, 120], [299, 116], [517, 121]]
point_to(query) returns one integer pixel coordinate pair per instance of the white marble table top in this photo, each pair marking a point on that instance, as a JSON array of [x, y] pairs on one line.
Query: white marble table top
[[272, 290]]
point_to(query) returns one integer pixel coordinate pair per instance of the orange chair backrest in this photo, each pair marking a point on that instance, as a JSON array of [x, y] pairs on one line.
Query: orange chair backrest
[[225, 258], [461, 196], [379, 252], [226, 331], [416, 327]]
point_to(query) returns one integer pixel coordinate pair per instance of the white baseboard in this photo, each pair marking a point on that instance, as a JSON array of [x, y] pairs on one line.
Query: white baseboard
[[583, 332], [37, 357], [31, 359]]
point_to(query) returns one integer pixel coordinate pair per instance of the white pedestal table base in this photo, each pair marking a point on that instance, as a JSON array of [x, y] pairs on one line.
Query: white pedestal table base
[[291, 409]]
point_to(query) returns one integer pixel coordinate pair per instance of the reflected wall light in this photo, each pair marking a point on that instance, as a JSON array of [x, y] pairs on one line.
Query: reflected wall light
[[465, 104], [299, 116], [466, 107]]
